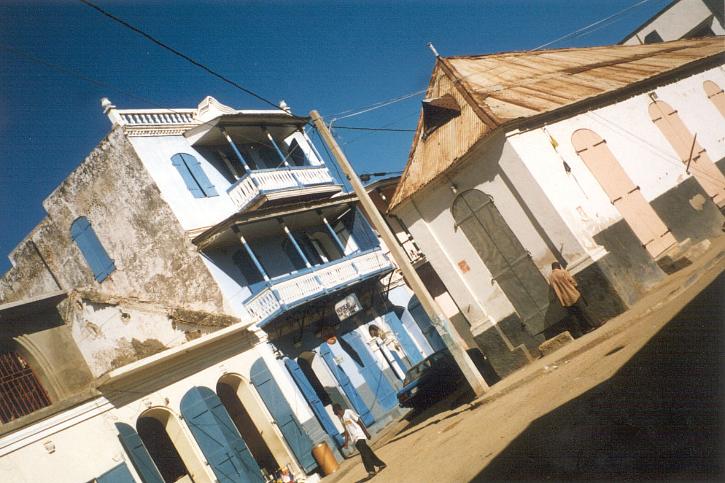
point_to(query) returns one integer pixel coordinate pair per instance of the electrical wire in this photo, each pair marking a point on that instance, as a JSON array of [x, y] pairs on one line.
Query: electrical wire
[[584, 30], [360, 128], [179, 53]]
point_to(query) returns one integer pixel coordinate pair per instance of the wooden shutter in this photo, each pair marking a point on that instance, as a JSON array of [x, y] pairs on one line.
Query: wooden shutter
[[118, 474], [379, 385], [94, 253], [297, 439], [406, 341], [179, 163], [194, 167], [701, 166], [218, 438], [140, 457], [352, 395], [314, 401], [715, 94], [623, 193]]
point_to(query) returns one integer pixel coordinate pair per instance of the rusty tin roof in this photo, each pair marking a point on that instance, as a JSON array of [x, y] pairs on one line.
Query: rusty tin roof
[[497, 90]]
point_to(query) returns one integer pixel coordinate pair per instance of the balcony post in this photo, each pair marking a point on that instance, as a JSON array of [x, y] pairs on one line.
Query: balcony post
[[247, 169], [251, 254], [276, 147], [334, 235], [297, 247]]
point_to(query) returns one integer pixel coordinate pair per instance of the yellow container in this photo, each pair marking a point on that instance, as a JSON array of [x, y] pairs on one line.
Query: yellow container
[[325, 458]]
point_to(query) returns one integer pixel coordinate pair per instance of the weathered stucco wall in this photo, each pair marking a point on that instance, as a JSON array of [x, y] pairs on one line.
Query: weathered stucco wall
[[154, 261]]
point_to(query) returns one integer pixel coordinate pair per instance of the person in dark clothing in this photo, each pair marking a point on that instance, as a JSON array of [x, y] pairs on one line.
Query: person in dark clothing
[[566, 291], [356, 432]]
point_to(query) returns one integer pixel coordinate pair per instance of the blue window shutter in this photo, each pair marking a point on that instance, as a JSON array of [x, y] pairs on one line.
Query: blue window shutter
[[298, 441], [357, 403], [379, 385], [406, 341], [118, 474], [178, 162], [138, 453], [360, 230], [83, 235], [218, 438], [311, 396], [194, 167], [425, 324]]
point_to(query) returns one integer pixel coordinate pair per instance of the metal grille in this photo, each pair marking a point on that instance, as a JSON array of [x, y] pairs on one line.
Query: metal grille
[[20, 391]]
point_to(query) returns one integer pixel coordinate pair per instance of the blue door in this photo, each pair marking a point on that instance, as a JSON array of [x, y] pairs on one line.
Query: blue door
[[425, 324], [298, 441], [406, 341], [314, 401], [357, 403], [117, 474], [385, 394], [218, 438], [140, 457]]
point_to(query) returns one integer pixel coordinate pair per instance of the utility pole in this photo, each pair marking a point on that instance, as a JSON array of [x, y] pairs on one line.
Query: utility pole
[[450, 336]]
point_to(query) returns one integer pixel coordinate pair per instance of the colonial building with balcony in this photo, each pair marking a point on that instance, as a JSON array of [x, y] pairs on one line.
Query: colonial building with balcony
[[199, 295]]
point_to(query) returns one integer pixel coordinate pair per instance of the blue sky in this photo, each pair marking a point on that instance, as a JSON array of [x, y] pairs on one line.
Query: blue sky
[[60, 57]]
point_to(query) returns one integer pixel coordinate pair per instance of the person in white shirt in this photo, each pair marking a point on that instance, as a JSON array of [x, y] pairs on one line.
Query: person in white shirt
[[356, 432]]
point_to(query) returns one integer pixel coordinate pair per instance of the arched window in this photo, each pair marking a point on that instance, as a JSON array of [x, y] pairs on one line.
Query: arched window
[[91, 248], [20, 391], [715, 94], [196, 180]]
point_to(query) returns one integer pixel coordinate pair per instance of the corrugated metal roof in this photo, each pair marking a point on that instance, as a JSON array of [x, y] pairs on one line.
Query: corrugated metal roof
[[502, 88]]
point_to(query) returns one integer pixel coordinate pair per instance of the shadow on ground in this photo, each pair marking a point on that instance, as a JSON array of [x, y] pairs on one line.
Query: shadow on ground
[[659, 416]]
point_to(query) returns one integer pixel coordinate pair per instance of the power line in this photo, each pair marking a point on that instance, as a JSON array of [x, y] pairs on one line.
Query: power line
[[377, 105], [582, 31], [179, 54], [360, 128]]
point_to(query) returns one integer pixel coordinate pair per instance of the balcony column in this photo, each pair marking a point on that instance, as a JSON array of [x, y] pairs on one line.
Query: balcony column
[[251, 254], [297, 246], [236, 151], [334, 236], [276, 147]]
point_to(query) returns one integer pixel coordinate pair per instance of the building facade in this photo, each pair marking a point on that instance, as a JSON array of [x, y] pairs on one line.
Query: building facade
[[199, 295], [607, 159], [681, 19]]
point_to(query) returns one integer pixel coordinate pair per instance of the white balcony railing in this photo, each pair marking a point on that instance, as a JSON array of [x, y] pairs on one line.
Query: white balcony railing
[[260, 182], [295, 290]]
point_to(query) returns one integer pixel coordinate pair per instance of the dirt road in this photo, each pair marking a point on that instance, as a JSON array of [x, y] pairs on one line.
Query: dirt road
[[639, 397]]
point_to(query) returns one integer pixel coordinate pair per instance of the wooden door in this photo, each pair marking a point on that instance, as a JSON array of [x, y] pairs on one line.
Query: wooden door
[[689, 150], [509, 263], [623, 193]]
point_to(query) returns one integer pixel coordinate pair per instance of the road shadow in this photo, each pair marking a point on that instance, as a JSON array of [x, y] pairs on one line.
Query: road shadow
[[658, 417]]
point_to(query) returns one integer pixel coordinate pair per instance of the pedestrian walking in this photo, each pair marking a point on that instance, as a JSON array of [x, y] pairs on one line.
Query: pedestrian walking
[[356, 432], [571, 299]]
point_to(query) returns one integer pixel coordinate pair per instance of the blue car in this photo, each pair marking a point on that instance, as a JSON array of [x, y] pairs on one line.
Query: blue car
[[437, 376], [431, 379]]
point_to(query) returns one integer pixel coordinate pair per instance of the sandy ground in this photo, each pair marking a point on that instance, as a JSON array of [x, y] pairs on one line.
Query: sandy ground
[[639, 398]]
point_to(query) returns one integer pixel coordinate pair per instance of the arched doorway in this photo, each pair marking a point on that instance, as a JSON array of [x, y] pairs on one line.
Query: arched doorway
[[252, 423], [505, 257], [168, 446], [690, 152], [21, 391], [217, 436], [623, 193]]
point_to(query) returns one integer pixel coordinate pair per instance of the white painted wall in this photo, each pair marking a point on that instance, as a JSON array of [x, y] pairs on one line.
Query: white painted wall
[[193, 213], [86, 441], [639, 146], [677, 21]]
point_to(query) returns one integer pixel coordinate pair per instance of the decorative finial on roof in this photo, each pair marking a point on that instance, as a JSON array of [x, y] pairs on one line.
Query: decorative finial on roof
[[433, 49], [106, 104], [110, 110], [283, 105]]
